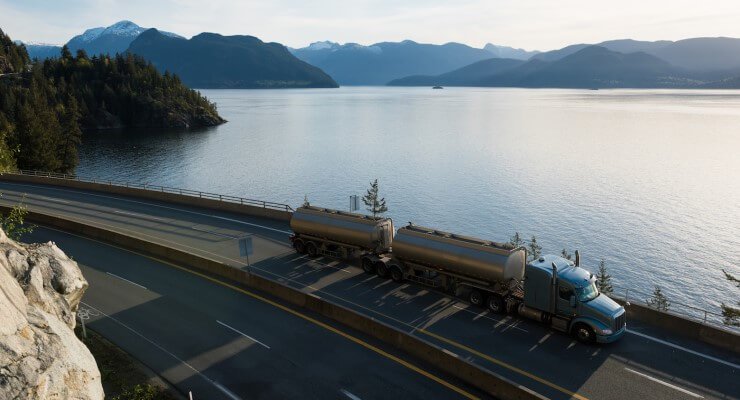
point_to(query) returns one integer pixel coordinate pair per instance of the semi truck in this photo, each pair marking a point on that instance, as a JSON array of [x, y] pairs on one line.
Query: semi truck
[[550, 289]]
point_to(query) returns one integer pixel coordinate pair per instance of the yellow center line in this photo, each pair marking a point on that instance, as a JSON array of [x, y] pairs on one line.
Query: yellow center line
[[330, 328], [504, 364]]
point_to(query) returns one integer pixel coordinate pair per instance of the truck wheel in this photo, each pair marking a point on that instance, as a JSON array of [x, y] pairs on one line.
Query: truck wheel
[[312, 250], [496, 304], [584, 333], [475, 297], [368, 266], [382, 270], [396, 274], [299, 246]]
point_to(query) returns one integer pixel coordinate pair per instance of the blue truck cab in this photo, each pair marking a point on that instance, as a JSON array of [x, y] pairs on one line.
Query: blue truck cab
[[559, 292]]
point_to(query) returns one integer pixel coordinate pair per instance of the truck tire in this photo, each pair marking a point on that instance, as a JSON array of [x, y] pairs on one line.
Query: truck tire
[[299, 246], [396, 273], [583, 333], [312, 249], [368, 266], [475, 297], [496, 304], [381, 269]]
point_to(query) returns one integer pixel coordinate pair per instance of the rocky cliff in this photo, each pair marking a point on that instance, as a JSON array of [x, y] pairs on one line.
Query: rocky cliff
[[40, 356]]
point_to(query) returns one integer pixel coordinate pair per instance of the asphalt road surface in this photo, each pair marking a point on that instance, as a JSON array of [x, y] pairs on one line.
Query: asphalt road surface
[[221, 343], [648, 363]]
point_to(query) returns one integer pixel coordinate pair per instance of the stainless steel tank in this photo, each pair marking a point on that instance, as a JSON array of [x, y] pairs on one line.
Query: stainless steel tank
[[354, 229], [471, 257]]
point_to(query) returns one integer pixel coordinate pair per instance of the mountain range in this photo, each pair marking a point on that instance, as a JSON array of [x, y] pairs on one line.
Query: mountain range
[[215, 61], [210, 60], [379, 63]]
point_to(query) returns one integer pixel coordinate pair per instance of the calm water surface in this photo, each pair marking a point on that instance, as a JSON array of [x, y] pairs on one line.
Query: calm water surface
[[647, 179]]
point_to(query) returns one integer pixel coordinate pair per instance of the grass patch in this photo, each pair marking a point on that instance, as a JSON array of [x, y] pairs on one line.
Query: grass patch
[[123, 377]]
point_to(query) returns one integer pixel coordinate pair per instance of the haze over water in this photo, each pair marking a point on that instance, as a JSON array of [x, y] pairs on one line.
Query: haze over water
[[647, 179]]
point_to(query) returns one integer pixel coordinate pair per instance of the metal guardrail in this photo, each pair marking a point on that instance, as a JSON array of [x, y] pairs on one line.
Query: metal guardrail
[[698, 314], [160, 188]]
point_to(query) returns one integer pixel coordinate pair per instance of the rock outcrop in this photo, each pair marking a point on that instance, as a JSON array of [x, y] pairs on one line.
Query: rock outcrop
[[40, 356]]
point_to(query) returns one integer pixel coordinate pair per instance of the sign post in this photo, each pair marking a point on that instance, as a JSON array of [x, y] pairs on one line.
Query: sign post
[[354, 203], [245, 247]]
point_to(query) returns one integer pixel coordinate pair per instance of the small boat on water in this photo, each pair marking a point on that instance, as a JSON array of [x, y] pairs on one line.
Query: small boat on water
[[438, 87]]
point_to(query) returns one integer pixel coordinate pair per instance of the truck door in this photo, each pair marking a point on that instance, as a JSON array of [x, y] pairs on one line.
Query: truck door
[[565, 291]]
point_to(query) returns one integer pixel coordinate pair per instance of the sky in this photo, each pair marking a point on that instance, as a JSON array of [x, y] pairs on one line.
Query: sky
[[528, 24]]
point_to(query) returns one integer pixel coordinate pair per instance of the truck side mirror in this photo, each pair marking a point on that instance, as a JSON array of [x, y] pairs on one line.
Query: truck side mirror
[[572, 301]]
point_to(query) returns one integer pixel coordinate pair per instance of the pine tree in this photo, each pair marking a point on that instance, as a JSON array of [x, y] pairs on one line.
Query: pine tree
[[516, 240], [305, 201], [659, 301], [731, 314], [603, 279], [374, 205], [535, 250], [71, 135]]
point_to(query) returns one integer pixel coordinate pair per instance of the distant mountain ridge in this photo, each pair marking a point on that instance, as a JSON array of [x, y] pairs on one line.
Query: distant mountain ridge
[[379, 63], [109, 40], [210, 60], [509, 52], [589, 67]]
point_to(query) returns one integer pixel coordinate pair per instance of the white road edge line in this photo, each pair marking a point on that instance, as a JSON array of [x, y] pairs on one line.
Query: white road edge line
[[245, 335], [138, 215], [694, 352], [154, 205], [124, 279], [209, 380], [348, 394], [656, 380]]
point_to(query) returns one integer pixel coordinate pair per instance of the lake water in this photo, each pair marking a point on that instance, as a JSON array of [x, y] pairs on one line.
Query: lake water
[[649, 180]]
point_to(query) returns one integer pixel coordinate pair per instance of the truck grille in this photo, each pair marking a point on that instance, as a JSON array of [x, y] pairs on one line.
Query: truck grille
[[619, 321]]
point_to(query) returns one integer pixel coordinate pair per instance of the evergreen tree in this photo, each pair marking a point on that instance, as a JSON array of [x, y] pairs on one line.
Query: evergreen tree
[[516, 240], [535, 250], [71, 135], [374, 205], [305, 201], [603, 279], [731, 314], [659, 301]]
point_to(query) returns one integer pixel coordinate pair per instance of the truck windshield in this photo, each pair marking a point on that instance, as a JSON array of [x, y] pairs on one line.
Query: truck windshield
[[588, 293]]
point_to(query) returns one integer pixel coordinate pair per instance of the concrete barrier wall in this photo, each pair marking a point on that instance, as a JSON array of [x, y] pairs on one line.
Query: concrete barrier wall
[[154, 195], [488, 381], [680, 325]]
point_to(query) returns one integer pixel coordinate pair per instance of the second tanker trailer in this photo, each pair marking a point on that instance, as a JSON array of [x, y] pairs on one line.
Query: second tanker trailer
[[551, 289]]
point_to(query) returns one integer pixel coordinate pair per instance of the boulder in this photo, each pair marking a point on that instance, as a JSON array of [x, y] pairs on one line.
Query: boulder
[[40, 356]]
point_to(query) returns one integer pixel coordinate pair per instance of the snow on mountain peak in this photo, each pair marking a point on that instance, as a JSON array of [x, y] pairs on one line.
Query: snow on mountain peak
[[322, 45], [123, 28]]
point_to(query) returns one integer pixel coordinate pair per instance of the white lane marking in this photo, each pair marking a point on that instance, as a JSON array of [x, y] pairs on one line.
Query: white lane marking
[[227, 391], [54, 200], [154, 205], [213, 232], [694, 352], [348, 394], [124, 279], [244, 334], [656, 380], [137, 215], [511, 325], [183, 362]]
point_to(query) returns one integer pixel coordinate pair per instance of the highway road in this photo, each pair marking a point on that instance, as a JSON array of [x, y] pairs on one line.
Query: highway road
[[221, 343], [648, 363]]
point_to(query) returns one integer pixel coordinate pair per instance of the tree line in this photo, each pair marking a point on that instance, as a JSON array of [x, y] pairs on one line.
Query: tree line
[[45, 106]]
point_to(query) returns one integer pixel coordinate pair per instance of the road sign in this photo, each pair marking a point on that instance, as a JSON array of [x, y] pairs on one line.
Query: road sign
[[245, 246], [354, 203]]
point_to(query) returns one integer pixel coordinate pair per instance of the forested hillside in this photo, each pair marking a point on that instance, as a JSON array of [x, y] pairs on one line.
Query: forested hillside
[[45, 106]]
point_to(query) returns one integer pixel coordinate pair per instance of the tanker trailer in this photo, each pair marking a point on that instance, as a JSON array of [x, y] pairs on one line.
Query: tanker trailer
[[484, 272], [339, 234]]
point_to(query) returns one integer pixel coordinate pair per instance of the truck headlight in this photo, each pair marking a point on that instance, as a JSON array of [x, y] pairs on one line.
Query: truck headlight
[[606, 332]]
